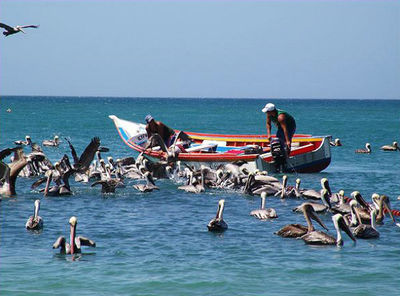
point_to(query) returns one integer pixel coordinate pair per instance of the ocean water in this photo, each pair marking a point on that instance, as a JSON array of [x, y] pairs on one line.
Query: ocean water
[[158, 244]]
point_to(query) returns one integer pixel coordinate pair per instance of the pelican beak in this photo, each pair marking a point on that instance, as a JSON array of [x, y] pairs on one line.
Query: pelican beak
[[315, 217], [343, 226], [386, 204]]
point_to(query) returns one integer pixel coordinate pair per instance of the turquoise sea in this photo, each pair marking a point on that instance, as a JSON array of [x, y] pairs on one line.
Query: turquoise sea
[[158, 244]]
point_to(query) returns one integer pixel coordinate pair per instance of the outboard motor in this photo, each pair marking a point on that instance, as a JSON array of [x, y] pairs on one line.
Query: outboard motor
[[278, 154]]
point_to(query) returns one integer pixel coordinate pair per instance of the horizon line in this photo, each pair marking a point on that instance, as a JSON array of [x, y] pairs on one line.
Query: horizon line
[[200, 98]]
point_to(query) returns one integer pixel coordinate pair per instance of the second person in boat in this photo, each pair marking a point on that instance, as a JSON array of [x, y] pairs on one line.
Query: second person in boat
[[284, 122]]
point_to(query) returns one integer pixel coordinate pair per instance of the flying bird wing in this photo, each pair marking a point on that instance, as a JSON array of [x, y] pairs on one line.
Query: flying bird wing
[[73, 152], [87, 156], [8, 28], [30, 26]]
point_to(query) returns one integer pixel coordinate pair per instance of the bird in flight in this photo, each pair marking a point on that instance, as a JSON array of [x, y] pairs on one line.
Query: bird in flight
[[12, 30]]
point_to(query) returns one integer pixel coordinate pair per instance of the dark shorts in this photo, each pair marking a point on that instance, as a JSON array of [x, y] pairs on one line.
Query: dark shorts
[[281, 135]]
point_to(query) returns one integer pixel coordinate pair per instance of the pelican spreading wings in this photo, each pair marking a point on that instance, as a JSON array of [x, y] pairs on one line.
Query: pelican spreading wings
[[12, 30]]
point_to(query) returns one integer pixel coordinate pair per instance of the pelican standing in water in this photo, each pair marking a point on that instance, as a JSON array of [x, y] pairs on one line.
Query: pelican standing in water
[[393, 147], [264, 213], [298, 230], [366, 150], [74, 246], [218, 224], [17, 29], [322, 238], [52, 143], [35, 222]]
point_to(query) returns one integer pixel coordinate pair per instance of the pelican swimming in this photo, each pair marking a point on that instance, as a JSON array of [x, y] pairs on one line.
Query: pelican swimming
[[149, 186], [35, 222], [192, 186], [380, 203], [11, 171], [28, 141], [53, 143], [336, 143], [217, 224], [13, 30], [393, 147], [264, 213], [362, 230], [298, 230], [75, 243], [317, 207], [316, 195], [322, 238], [366, 150]]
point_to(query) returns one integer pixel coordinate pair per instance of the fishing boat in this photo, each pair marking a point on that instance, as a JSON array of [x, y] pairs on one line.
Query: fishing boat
[[309, 154]]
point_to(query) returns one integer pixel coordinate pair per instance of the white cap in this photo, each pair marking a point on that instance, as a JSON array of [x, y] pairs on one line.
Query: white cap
[[268, 107]]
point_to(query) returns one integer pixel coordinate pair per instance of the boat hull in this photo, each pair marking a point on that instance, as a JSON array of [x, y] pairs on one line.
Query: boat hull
[[309, 154]]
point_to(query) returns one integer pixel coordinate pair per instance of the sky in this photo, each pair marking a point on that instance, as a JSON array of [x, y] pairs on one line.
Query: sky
[[216, 49]]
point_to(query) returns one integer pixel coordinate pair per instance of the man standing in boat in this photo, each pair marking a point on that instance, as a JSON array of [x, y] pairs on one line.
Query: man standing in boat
[[284, 122]]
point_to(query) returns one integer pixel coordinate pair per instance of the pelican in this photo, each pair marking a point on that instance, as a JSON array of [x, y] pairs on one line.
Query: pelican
[[380, 203], [318, 207], [149, 186], [298, 230], [264, 213], [13, 30], [366, 150], [362, 230], [342, 207], [35, 222], [12, 170], [321, 238], [336, 143], [28, 141], [313, 194], [53, 143], [76, 242], [393, 147], [194, 188], [283, 193], [217, 224]]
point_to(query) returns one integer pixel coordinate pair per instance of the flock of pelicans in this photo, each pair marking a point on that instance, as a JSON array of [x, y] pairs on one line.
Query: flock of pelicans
[[356, 217]]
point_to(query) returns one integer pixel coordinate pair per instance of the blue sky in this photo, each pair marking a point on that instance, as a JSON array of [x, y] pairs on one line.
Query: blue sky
[[243, 49]]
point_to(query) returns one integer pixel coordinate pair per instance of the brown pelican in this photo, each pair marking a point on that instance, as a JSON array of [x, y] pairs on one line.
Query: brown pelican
[[12, 170], [54, 143], [313, 194], [393, 147], [149, 186], [380, 202], [342, 207], [75, 243], [28, 141], [321, 238], [283, 192], [298, 230], [35, 222], [264, 213], [195, 187], [366, 150], [13, 30], [217, 224], [366, 231], [336, 143], [318, 207]]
